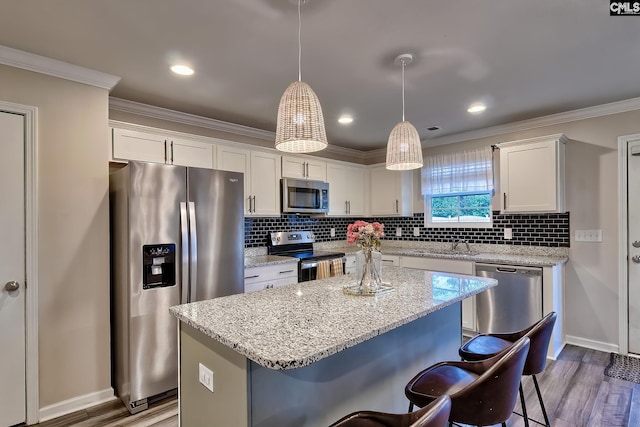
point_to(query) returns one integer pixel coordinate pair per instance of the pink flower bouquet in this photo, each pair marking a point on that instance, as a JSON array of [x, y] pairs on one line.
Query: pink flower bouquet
[[365, 235]]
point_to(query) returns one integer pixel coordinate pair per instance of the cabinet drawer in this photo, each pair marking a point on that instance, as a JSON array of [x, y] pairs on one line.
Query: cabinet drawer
[[270, 272], [390, 260], [269, 284]]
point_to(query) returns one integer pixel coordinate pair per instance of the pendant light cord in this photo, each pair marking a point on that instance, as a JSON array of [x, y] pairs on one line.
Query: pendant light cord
[[299, 45], [403, 64]]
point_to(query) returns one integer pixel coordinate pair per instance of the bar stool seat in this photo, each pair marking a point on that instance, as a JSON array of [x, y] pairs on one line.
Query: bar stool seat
[[484, 346], [434, 415], [482, 393]]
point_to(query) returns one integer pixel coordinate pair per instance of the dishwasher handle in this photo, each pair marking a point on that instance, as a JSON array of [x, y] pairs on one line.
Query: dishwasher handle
[[509, 269]]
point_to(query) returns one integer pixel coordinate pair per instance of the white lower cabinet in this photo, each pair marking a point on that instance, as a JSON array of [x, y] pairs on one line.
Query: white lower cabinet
[[449, 266], [350, 264], [270, 276]]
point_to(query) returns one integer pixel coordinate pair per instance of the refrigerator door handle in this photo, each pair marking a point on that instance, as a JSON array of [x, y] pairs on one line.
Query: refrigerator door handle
[[184, 245], [193, 259]]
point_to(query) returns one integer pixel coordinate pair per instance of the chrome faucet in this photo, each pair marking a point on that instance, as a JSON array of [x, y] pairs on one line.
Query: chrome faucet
[[454, 245]]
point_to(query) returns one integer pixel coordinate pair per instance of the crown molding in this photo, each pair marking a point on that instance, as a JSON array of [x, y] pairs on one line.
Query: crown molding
[[151, 111], [553, 119], [53, 67]]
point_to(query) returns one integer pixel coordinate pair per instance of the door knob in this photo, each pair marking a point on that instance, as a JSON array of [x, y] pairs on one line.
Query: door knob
[[636, 259], [636, 244], [11, 286]]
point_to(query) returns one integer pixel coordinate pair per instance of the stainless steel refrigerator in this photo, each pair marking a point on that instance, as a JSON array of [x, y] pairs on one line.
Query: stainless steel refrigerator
[[177, 236]]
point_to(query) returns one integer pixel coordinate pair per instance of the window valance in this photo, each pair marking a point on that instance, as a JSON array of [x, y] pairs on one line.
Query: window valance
[[463, 172]]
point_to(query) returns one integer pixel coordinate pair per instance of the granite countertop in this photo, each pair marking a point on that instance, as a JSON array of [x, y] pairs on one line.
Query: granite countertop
[[297, 325], [261, 260], [495, 254]]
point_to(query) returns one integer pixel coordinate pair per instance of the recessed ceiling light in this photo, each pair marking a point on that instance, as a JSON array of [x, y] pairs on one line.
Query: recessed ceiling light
[[476, 108], [183, 70], [345, 119]]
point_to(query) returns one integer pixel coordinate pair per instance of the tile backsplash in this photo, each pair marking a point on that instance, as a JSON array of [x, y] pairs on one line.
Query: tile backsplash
[[551, 230]]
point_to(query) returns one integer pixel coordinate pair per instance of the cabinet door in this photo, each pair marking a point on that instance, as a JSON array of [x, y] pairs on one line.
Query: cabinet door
[[134, 145], [338, 189], [304, 168], [529, 177], [449, 266], [385, 191], [355, 187], [237, 160], [265, 182], [183, 152]]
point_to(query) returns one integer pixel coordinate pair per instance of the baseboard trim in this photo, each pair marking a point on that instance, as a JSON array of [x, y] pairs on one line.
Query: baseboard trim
[[593, 344], [76, 404]]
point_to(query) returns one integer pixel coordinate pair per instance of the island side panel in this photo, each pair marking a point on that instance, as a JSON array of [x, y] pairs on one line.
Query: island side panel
[[369, 376], [228, 405]]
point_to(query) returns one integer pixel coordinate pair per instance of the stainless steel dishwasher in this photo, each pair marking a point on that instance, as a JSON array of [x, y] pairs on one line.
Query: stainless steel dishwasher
[[515, 303]]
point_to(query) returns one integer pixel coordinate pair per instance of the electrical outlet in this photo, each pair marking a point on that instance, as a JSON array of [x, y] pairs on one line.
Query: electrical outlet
[[508, 234], [205, 375], [333, 232], [398, 231], [588, 235], [416, 231]]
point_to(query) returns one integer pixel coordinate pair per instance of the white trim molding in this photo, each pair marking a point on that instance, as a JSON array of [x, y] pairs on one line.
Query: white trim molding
[[31, 252], [174, 116], [592, 344], [76, 404], [53, 67]]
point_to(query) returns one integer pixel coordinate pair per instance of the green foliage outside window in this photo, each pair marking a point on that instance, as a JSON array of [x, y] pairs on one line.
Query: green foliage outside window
[[461, 208]]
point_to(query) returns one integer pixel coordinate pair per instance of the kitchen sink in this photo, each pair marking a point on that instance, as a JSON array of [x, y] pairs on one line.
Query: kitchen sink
[[444, 252]]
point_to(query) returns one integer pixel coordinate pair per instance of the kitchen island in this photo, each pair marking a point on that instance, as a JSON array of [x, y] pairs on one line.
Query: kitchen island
[[307, 354]]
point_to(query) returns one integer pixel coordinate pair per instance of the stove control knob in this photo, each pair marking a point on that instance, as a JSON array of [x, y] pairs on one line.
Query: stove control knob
[[309, 236]]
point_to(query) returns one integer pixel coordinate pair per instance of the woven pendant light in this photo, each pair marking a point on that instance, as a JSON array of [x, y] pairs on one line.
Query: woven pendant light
[[300, 124], [404, 151]]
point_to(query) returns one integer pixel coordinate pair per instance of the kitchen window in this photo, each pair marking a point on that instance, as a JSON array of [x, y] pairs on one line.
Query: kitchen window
[[457, 189]]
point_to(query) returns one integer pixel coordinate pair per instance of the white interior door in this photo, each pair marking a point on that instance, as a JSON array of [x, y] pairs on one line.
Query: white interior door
[[633, 250], [12, 271]]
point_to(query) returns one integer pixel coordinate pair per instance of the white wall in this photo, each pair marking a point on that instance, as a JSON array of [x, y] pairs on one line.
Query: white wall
[[74, 343]]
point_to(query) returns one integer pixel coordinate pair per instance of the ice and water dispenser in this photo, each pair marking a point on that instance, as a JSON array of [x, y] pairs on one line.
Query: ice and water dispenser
[[158, 265]]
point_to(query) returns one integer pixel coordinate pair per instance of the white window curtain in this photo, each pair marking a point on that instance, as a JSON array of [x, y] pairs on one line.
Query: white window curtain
[[469, 171]]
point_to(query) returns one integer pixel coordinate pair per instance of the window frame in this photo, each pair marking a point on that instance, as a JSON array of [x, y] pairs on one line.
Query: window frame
[[428, 223]]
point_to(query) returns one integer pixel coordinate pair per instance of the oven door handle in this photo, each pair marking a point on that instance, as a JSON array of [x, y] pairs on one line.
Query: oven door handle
[[306, 265]]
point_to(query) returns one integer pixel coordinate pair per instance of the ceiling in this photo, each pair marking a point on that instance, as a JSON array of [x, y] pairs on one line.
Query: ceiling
[[523, 58]]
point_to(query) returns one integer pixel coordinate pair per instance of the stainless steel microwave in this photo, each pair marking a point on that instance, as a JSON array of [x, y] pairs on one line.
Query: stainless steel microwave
[[304, 196]]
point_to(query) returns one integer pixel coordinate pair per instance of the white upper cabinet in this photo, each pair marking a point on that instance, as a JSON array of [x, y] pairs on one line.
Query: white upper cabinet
[[158, 148], [261, 178], [347, 189], [532, 175], [304, 168], [391, 192]]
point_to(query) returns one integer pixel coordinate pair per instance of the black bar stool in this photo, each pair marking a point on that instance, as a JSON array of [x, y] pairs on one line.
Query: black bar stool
[[488, 345], [482, 393], [435, 414]]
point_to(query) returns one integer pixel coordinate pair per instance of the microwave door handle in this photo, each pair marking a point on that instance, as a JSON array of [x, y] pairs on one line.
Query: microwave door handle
[[193, 249], [184, 247]]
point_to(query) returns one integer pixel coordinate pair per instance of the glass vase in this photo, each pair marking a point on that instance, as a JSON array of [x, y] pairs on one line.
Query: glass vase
[[368, 270]]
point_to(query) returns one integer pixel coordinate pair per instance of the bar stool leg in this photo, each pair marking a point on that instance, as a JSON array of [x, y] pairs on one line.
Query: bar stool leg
[[544, 410], [524, 407]]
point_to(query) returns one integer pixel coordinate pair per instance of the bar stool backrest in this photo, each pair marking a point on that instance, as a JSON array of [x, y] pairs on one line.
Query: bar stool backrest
[[436, 414]]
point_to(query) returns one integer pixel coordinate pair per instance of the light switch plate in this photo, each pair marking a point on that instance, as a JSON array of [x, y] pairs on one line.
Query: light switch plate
[[416, 231], [588, 235], [398, 231], [508, 234], [205, 375]]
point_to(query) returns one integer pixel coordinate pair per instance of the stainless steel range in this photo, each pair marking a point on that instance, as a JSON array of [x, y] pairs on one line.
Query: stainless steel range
[[299, 244]]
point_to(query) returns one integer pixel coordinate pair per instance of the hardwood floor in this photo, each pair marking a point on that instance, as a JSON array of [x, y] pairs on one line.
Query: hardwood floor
[[575, 390]]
